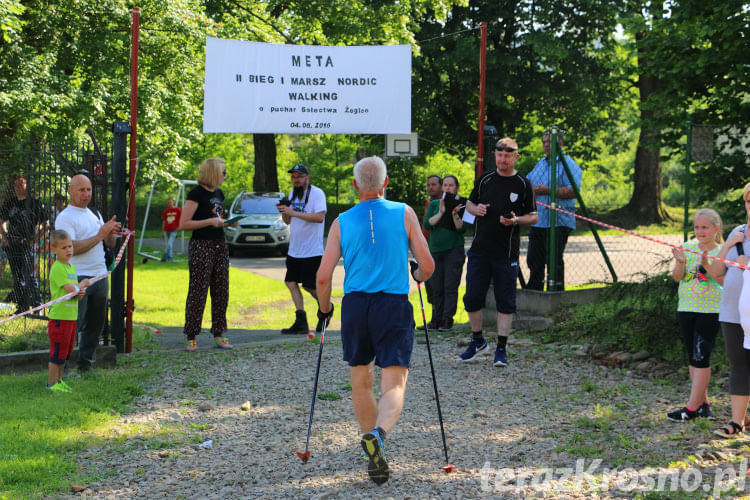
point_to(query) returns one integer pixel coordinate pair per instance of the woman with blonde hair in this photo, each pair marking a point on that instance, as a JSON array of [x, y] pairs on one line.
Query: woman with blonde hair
[[208, 255], [736, 250], [698, 309]]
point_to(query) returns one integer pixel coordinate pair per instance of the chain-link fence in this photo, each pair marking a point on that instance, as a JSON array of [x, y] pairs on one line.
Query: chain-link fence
[[616, 255], [33, 191], [631, 258]]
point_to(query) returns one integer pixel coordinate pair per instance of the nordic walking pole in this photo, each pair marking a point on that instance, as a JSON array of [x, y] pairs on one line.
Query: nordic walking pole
[[447, 467], [305, 456]]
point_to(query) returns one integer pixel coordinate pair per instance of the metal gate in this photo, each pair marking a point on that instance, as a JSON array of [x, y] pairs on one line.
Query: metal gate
[[34, 179]]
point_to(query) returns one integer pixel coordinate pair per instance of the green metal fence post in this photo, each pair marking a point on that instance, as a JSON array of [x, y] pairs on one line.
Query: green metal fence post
[[592, 226], [552, 284]]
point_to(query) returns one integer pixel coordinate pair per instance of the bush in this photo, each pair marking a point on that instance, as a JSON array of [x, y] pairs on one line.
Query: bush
[[628, 316]]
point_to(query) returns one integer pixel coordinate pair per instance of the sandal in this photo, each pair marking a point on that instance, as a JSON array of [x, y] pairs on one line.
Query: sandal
[[191, 347], [730, 430], [222, 343]]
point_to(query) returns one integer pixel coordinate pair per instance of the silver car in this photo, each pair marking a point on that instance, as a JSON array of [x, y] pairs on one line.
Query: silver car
[[262, 227]]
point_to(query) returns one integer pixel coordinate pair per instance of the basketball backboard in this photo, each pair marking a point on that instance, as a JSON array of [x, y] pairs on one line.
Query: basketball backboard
[[401, 145]]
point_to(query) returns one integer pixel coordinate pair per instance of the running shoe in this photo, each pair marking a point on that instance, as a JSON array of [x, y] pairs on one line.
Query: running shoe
[[58, 388], [222, 343], [377, 466], [191, 347], [475, 349], [682, 415], [501, 357], [66, 386], [704, 410]]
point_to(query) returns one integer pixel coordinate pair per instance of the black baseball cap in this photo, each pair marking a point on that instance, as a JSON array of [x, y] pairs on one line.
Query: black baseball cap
[[299, 168]]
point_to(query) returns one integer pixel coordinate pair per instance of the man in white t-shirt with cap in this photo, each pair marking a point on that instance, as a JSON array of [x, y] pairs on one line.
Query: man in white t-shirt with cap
[[305, 211]]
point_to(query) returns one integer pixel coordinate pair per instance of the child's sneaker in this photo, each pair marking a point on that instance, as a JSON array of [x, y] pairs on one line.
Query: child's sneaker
[[682, 415], [66, 386], [475, 349], [58, 388], [191, 347], [704, 410], [222, 343]]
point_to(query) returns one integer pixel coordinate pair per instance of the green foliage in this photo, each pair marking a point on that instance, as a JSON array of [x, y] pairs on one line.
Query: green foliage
[[329, 396], [628, 316], [546, 63], [694, 49], [64, 73], [330, 159]]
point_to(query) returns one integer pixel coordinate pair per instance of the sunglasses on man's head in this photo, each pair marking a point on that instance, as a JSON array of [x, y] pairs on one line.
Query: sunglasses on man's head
[[507, 149]]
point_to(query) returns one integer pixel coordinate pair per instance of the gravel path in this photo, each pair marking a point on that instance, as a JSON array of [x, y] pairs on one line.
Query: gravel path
[[512, 432]]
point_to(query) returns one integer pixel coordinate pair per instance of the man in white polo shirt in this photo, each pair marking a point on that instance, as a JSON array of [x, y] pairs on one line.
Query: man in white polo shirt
[[89, 234], [305, 212]]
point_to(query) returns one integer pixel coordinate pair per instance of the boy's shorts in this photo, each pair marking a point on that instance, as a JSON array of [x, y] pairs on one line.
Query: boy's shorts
[[62, 334], [377, 326]]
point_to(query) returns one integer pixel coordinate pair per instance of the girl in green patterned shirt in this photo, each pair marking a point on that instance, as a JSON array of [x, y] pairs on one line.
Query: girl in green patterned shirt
[[698, 310]]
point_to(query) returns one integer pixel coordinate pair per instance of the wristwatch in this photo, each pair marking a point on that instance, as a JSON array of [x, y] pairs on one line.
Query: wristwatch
[[515, 220]]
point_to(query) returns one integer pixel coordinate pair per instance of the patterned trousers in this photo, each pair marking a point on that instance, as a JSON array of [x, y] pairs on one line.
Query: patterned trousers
[[208, 262]]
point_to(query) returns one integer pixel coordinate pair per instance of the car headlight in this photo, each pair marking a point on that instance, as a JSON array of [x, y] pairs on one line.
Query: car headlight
[[278, 225], [230, 228]]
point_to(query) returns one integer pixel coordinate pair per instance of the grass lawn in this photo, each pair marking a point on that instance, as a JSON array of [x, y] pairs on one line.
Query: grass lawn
[[41, 431], [255, 302]]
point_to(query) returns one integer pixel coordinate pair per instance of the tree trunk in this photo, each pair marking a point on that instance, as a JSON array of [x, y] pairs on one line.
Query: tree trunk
[[266, 178], [647, 183]]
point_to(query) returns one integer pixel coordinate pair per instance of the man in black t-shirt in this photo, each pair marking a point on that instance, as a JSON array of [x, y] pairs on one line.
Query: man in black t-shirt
[[21, 218], [502, 200]]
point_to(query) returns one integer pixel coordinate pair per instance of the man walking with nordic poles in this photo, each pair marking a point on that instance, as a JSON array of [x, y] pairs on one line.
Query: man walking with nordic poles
[[377, 320]]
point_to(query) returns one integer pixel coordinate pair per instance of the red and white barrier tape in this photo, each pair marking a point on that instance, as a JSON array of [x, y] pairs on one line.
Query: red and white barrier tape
[[65, 297], [649, 238], [154, 330]]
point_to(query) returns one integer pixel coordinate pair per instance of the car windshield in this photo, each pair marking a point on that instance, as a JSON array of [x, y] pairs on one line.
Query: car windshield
[[255, 204]]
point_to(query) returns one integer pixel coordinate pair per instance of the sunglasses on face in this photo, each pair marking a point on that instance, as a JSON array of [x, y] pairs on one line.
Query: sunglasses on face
[[507, 149]]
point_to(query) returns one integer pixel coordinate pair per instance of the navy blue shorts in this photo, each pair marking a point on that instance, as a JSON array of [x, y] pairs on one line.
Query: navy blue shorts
[[503, 272], [377, 326]]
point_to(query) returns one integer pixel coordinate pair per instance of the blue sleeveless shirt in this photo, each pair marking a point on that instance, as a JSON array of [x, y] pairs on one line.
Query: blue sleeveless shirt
[[375, 247]]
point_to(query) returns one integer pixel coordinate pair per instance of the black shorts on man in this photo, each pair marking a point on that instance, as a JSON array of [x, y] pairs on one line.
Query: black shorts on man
[[302, 270]]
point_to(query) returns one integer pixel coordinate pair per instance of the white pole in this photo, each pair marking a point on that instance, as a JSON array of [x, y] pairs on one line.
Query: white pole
[[145, 219]]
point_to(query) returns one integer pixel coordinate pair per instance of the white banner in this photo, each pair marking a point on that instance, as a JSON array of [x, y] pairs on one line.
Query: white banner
[[304, 89]]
